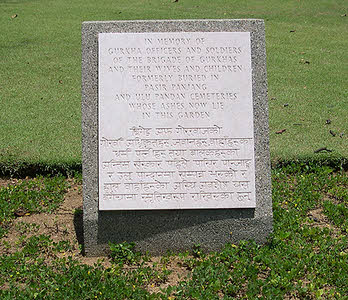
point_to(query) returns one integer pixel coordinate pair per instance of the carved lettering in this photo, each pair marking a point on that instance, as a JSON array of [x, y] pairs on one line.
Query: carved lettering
[[175, 121]]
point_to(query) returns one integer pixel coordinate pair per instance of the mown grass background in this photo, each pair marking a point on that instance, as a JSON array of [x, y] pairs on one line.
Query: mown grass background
[[40, 73]]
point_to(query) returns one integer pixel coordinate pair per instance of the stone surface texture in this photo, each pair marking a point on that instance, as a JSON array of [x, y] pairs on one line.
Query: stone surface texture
[[159, 230]]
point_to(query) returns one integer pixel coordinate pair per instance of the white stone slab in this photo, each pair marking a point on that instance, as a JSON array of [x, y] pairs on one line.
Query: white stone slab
[[175, 121]]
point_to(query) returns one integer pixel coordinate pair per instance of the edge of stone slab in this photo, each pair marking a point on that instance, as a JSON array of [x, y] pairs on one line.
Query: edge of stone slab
[[258, 229], [260, 232]]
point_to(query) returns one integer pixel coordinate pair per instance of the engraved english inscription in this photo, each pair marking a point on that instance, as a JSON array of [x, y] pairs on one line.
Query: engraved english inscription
[[175, 121]]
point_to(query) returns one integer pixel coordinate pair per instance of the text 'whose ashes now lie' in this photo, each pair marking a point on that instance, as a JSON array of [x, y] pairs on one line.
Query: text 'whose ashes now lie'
[[175, 121]]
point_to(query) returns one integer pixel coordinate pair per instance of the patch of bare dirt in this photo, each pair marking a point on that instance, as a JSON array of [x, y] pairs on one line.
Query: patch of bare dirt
[[64, 224], [8, 181], [319, 219], [178, 273]]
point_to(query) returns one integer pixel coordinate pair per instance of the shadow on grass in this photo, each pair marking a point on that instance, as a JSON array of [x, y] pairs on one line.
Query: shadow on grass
[[20, 169], [78, 225]]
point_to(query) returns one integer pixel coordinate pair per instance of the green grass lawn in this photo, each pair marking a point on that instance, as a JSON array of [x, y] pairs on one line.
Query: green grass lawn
[[304, 258], [40, 77]]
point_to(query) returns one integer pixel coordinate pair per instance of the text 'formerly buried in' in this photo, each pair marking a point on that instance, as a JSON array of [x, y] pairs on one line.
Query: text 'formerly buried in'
[[175, 121]]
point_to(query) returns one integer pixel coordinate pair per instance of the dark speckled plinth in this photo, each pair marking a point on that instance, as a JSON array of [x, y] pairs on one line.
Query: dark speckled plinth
[[160, 230]]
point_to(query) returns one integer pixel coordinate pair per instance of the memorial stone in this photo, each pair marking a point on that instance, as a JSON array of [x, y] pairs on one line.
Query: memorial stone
[[175, 134]]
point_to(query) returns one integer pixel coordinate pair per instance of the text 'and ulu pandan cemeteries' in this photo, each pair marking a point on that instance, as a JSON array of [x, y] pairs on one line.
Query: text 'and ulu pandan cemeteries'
[[175, 134]]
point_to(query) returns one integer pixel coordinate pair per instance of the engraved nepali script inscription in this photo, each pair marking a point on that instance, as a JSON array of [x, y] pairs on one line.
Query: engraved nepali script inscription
[[175, 121]]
